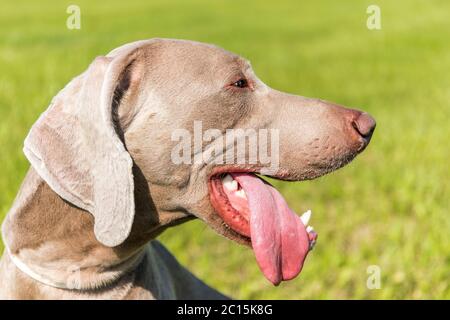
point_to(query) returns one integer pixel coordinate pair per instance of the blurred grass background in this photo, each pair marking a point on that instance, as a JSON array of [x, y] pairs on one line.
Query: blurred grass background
[[387, 208]]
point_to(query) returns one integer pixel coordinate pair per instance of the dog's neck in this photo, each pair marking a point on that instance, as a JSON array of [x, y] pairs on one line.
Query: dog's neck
[[56, 242]]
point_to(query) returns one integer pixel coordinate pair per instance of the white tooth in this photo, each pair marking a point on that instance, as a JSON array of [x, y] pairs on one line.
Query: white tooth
[[305, 217], [241, 194], [230, 183], [309, 229], [227, 178]]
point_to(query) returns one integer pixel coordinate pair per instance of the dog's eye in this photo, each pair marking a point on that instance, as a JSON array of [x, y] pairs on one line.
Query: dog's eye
[[242, 83]]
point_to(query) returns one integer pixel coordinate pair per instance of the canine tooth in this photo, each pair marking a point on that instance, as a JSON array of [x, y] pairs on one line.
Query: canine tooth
[[227, 178], [230, 183], [305, 217], [309, 229], [241, 194]]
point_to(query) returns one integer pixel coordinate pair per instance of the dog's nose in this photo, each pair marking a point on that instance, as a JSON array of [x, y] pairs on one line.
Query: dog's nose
[[364, 124]]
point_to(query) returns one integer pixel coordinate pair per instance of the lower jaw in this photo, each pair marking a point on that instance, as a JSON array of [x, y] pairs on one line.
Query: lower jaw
[[233, 220]]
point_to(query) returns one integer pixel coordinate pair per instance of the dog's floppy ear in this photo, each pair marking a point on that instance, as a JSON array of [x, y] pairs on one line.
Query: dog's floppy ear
[[75, 148]]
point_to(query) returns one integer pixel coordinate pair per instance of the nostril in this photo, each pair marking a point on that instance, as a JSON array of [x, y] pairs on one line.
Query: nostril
[[365, 125]]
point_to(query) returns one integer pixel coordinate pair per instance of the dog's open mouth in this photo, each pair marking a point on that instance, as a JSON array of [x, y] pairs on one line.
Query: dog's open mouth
[[254, 209]]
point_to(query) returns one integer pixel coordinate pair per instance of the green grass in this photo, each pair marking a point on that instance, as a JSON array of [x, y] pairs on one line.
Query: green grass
[[388, 208]]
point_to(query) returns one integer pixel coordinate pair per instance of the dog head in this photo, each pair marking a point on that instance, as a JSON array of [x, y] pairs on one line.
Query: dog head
[[200, 127]]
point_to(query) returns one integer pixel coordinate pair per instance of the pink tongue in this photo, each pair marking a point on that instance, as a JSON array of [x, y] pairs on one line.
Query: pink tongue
[[279, 238]]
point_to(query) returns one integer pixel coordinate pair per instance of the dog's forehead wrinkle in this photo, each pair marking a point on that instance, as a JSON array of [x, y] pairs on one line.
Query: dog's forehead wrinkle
[[206, 59], [149, 106], [245, 64]]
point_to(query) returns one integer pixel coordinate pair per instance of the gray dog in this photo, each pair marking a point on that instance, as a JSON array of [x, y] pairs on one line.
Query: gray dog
[[103, 183]]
